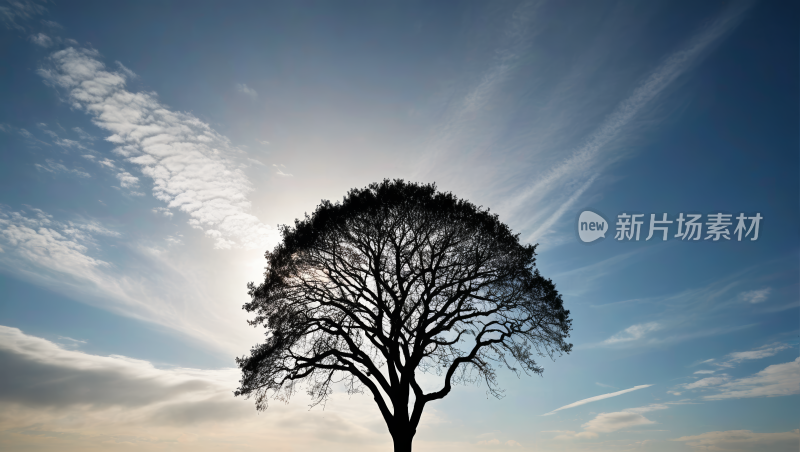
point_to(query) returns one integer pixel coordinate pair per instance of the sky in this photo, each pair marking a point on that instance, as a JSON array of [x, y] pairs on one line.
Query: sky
[[149, 151]]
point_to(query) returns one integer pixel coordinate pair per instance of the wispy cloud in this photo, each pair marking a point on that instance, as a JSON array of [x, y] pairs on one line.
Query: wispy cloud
[[583, 165], [743, 441], [633, 333], [42, 39], [244, 89], [52, 166], [463, 126], [756, 296], [190, 164], [68, 257], [612, 422], [83, 134], [759, 353], [279, 170], [774, 381], [15, 13], [129, 73], [596, 398]]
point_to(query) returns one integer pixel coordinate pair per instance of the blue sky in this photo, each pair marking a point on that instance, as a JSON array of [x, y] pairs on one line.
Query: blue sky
[[150, 149]]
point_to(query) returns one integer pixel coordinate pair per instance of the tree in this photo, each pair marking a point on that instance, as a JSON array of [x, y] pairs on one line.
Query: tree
[[399, 278]]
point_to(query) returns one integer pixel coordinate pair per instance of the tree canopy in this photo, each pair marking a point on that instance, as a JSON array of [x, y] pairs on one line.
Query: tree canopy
[[399, 279]]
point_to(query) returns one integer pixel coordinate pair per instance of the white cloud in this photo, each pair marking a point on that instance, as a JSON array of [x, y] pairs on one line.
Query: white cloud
[[611, 422], [163, 211], [188, 161], [47, 244], [51, 24], [127, 180], [265, 143], [280, 172], [19, 11], [574, 174], [42, 40], [108, 164], [632, 333], [756, 296], [52, 166], [65, 256], [707, 382], [84, 135], [744, 441], [67, 143], [759, 353], [600, 397], [63, 399], [774, 381], [496, 443], [701, 372], [244, 89], [131, 75]]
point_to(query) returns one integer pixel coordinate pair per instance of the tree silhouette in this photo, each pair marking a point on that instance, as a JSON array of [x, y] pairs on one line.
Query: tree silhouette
[[398, 279]]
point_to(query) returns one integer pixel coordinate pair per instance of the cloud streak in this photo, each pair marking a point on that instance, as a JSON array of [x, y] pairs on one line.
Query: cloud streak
[[582, 166], [189, 163], [597, 398]]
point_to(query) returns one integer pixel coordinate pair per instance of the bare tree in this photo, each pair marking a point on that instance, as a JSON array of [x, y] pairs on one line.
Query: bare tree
[[399, 279]]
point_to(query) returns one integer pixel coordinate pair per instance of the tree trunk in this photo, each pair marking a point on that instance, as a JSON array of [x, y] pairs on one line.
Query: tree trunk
[[402, 440]]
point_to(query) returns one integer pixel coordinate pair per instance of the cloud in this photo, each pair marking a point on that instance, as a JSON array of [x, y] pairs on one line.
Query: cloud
[[163, 211], [42, 40], [596, 398], [280, 172], [63, 399], [52, 166], [244, 89], [756, 296], [775, 381], [127, 180], [462, 127], [744, 441], [496, 443], [632, 333], [13, 13], [110, 164], [99, 381], [190, 164], [131, 75], [701, 372], [47, 244], [265, 143], [84, 135], [762, 352], [575, 173], [146, 283], [67, 143], [611, 422], [51, 24], [707, 382]]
